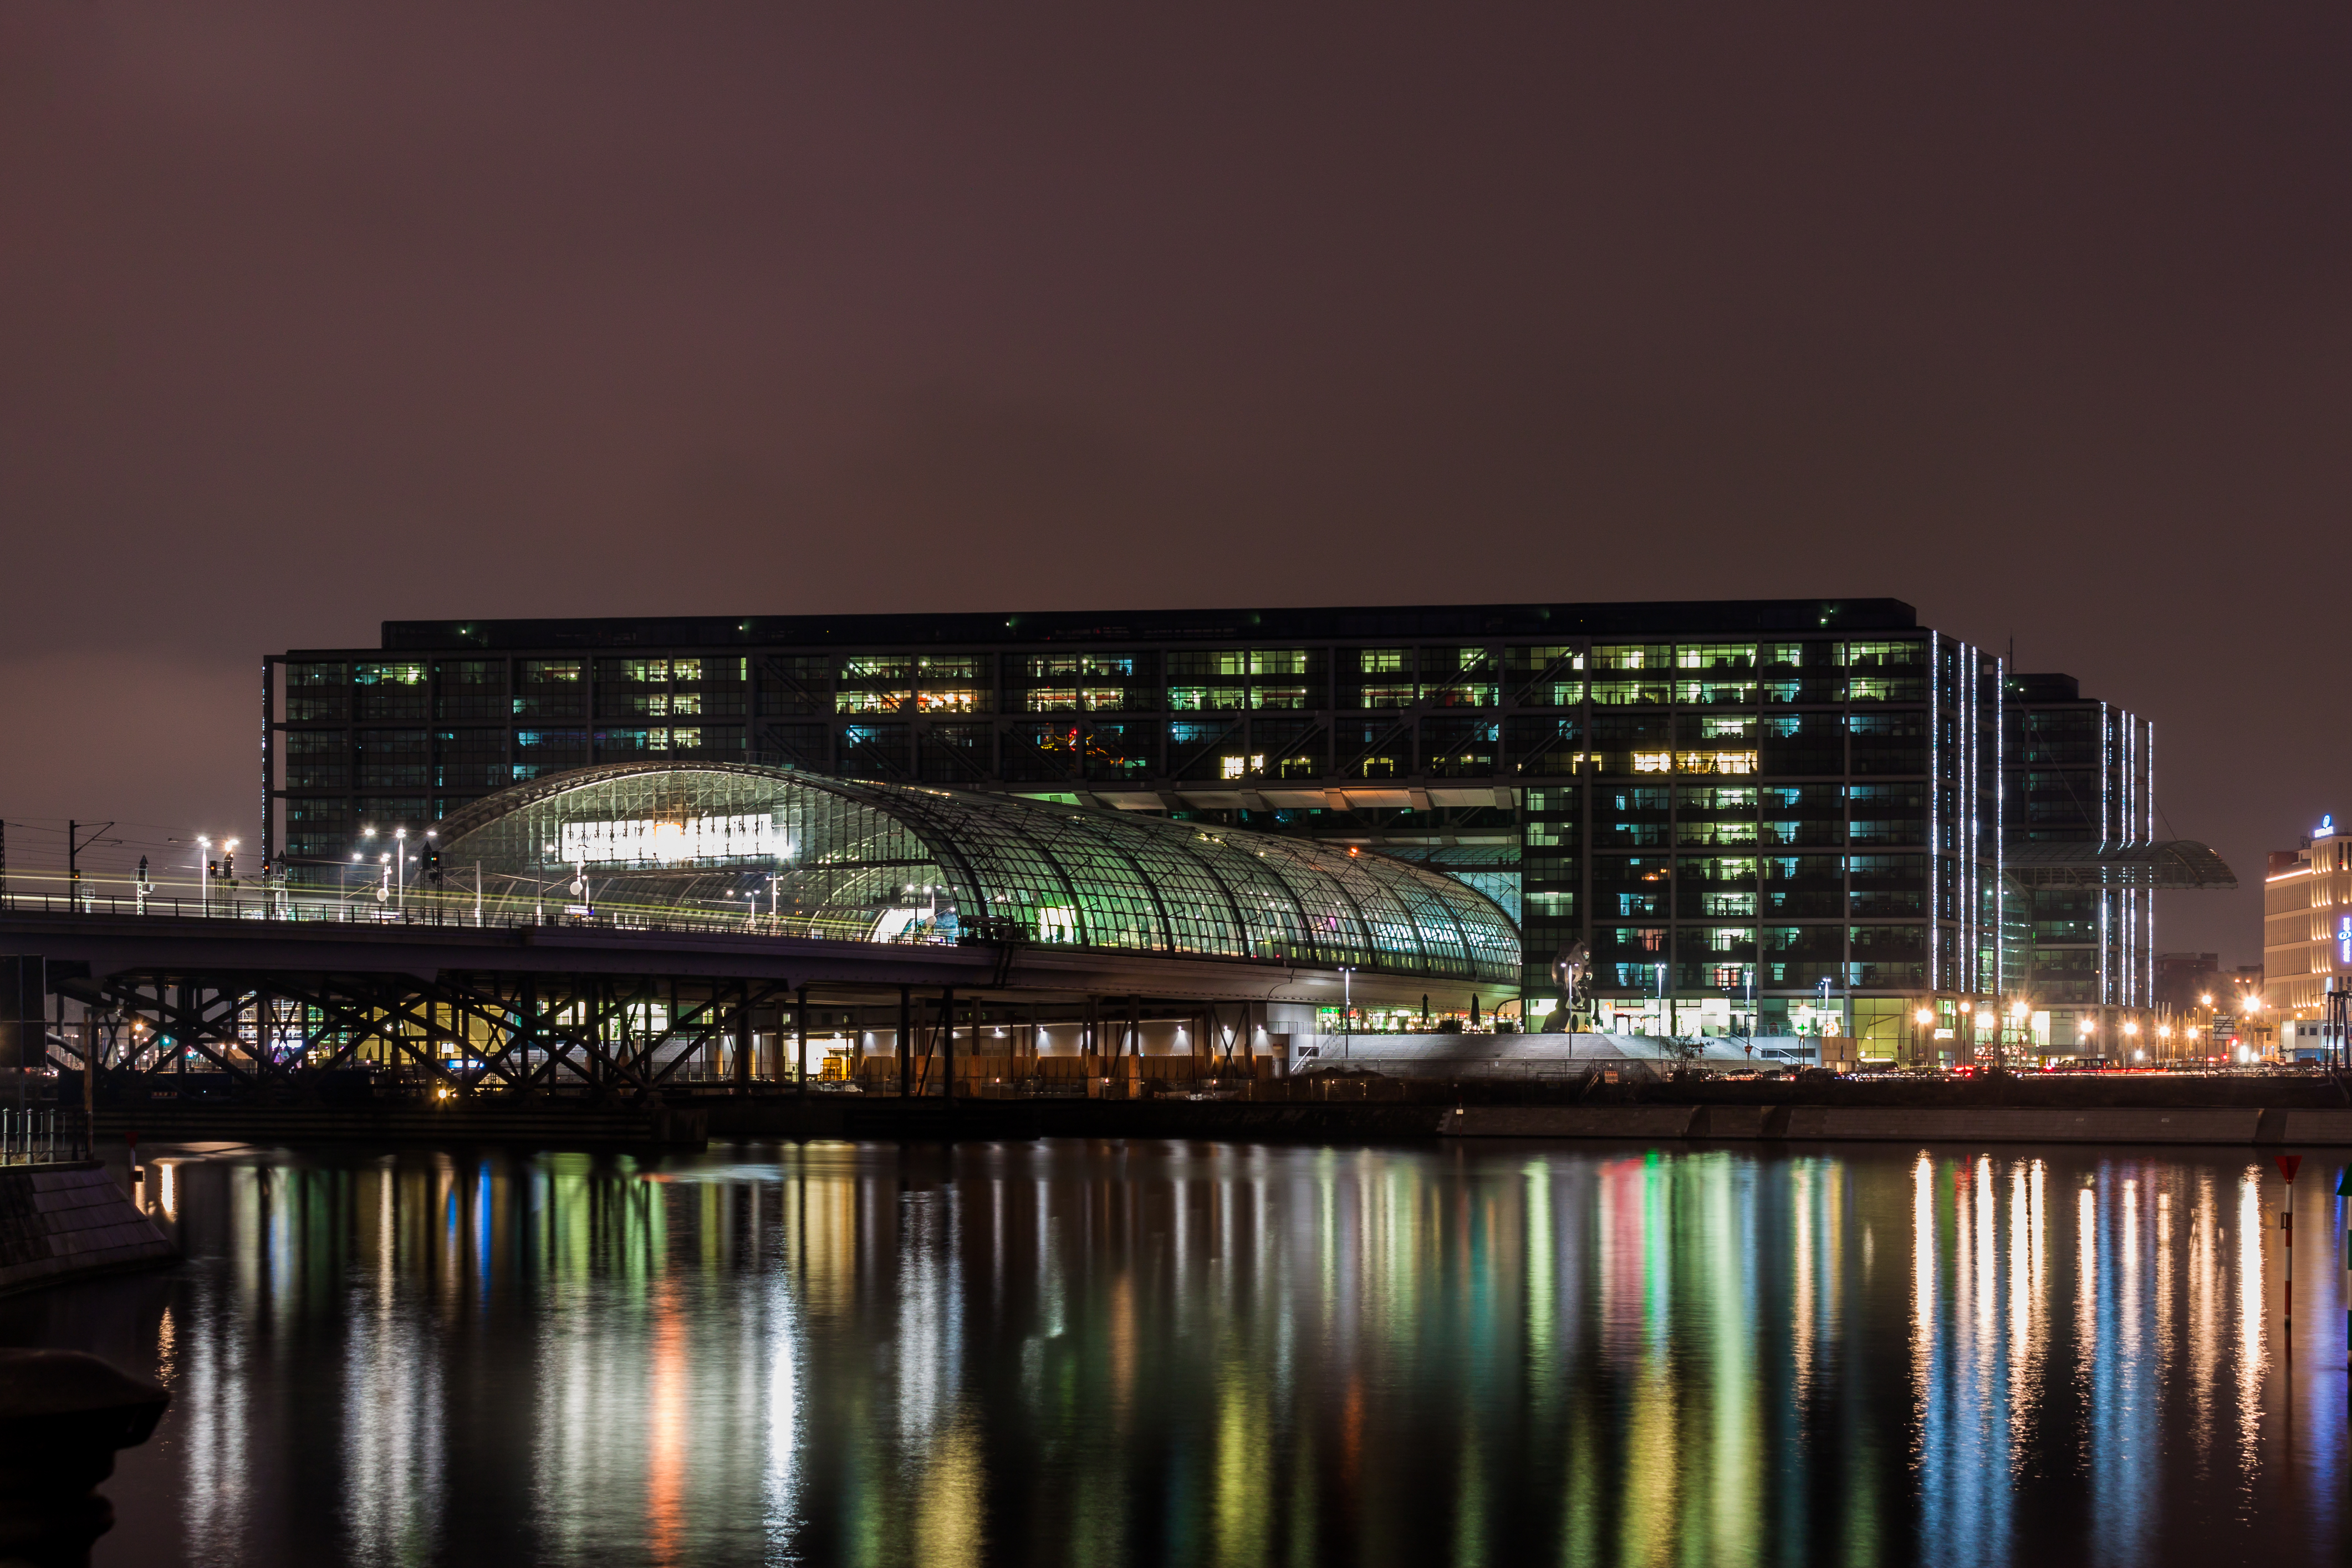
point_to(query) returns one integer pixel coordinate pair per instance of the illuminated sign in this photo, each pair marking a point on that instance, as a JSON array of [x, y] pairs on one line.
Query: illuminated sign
[[2343, 941], [2326, 828], [658, 842]]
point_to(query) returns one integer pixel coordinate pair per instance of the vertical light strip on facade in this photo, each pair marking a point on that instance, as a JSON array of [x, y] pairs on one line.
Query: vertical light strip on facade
[[1963, 724], [2109, 821], [1963, 823], [1970, 872], [1935, 796], [2148, 947], [1999, 819], [2127, 981]]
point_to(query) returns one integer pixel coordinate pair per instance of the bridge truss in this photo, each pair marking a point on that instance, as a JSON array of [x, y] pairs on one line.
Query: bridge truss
[[463, 1033]]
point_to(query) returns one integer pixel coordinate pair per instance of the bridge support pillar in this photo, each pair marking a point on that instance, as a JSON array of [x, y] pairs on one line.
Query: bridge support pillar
[[742, 1039]]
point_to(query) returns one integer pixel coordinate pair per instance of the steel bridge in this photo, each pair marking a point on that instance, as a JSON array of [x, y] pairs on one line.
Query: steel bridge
[[270, 1009]]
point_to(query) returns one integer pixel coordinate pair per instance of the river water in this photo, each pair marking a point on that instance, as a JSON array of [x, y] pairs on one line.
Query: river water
[[1160, 1352]]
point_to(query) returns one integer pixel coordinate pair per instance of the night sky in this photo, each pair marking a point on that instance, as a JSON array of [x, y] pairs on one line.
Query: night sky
[[2039, 317]]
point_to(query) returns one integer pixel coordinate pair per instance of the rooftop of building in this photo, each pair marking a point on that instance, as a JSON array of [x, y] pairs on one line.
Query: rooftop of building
[[1650, 617], [2048, 686]]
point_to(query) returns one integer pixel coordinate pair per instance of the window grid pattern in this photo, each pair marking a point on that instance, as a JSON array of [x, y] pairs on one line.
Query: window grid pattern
[[884, 861]]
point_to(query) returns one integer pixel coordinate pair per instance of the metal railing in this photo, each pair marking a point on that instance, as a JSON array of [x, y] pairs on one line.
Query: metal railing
[[447, 908], [459, 908], [30, 1138]]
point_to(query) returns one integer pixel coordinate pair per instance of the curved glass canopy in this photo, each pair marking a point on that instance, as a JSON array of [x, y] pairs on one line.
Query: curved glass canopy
[[811, 856]]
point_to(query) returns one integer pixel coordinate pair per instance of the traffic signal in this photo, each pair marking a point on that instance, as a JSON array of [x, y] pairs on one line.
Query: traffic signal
[[212, 869], [432, 861]]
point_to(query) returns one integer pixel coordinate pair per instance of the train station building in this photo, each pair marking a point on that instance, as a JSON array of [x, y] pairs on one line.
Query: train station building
[[1754, 816]]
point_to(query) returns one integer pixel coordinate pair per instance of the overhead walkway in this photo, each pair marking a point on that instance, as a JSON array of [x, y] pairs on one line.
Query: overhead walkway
[[2162, 865]]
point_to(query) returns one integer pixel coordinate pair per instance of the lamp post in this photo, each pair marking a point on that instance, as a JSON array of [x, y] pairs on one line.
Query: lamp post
[[400, 869], [204, 875], [1921, 1020], [1347, 1011]]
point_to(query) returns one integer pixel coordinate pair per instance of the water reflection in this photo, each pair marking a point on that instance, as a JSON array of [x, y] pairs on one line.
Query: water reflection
[[1104, 1354]]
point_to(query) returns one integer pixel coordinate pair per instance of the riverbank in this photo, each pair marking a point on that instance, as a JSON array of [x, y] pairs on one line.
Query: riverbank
[[2066, 1109], [67, 1221], [1351, 1107], [1835, 1124], [537, 1123]]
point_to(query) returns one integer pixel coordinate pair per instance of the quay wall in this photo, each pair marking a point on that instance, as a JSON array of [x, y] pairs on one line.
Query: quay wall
[[1871, 1123], [67, 1220], [559, 1125]]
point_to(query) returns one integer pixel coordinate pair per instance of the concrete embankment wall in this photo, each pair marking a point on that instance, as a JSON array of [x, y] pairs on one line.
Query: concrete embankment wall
[[59, 1222], [529, 1122], [1996, 1124]]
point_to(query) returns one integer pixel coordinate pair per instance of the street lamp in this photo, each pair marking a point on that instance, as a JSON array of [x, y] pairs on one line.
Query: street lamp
[[204, 879], [1922, 1018], [400, 868]]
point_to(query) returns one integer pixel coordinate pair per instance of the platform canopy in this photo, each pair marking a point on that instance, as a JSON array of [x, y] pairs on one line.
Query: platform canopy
[[2173, 863], [805, 855]]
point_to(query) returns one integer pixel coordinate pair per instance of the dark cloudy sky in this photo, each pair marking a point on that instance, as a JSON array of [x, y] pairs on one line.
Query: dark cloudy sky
[[317, 315]]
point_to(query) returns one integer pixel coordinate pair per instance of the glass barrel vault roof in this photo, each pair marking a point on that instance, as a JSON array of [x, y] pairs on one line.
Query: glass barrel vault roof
[[865, 860]]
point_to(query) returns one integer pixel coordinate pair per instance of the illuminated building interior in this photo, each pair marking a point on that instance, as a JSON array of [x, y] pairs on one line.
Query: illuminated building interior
[[809, 856], [1761, 815]]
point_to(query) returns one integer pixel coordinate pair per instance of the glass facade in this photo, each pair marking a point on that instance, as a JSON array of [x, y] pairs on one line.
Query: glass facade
[[1797, 808], [2079, 770], [862, 860]]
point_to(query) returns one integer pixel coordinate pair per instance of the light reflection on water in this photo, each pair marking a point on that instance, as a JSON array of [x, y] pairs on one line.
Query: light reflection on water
[[1112, 1354]]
